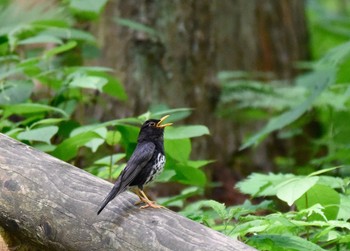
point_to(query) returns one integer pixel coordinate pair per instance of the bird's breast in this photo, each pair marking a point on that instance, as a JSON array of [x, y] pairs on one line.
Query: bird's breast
[[157, 167], [160, 162]]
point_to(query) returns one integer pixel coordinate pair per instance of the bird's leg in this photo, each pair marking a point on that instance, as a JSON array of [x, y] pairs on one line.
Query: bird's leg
[[148, 202], [140, 197]]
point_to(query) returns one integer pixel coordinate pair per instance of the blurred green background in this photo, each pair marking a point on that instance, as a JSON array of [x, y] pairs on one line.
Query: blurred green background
[[258, 92]]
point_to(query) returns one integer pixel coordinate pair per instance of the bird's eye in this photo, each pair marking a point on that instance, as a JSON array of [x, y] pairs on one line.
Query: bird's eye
[[152, 124]]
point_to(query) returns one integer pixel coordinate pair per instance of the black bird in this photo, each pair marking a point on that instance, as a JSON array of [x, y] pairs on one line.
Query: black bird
[[145, 163]]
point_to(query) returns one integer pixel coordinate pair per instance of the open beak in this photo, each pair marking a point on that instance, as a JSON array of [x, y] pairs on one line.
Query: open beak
[[159, 124]]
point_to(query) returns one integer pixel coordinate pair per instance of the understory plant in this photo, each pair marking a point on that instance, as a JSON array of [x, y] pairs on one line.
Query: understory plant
[[317, 210], [307, 208], [46, 92], [47, 95]]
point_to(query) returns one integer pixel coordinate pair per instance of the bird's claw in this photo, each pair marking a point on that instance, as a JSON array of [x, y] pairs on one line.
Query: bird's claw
[[151, 204], [144, 199]]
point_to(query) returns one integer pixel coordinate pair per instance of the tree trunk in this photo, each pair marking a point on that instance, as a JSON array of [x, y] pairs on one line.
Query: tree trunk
[[196, 39], [47, 204]]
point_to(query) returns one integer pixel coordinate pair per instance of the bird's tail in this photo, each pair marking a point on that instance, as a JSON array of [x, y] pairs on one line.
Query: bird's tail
[[112, 194]]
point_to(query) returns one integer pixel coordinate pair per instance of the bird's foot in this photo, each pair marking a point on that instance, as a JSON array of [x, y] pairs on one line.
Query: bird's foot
[[151, 204], [144, 199]]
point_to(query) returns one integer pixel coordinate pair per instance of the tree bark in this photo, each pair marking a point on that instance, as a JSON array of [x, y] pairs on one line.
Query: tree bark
[[196, 40], [47, 204]]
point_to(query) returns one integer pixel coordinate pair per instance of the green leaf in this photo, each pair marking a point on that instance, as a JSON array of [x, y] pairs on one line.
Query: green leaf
[[102, 131], [179, 149], [124, 122], [219, 208], [248, 208], [318, 81], [94, 144], [184, 132], [98, 128], [69, 34], [113, 137], [185, 193], [45, 147], [60, 49], [16, 17], [198, 163], [30, 108], [324, 171], [166, 175], [293, 189], [323, 195], [129, 137], [189, 176], [315, 210], [335, 56], [175, 114], [162, 110], [282, 242], [333, 99], [41, 38], [89, 70], [87, 8], [113, 86], [43, 134], [104, 172], [30, 66], [138, 27], [89, 82], [69, 147], [112, 159], [50, 121], [12, 133], [9, 73], [15, 91], [333, 182], [344, 208], [262, 184]]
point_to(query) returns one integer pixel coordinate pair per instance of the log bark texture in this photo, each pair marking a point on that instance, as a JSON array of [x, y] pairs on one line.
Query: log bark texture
[[47, 204]]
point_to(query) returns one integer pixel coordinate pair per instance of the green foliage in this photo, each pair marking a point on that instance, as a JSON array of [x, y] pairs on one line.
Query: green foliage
[[321, 203], [320, 96], [304, 191], [318, 222], [45, 88], [328, 25], [307, 212], [320, 209], [87, 9], [43, 134], [138, 27], [323, 79], [279, 242]]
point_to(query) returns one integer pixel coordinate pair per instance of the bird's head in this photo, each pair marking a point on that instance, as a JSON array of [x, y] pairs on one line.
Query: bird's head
[[153, 129]]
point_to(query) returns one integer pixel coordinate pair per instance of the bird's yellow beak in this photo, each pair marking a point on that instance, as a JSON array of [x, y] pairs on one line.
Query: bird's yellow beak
[[159, 124]]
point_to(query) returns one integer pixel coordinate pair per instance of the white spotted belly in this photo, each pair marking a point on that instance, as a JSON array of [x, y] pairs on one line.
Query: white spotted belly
[[157, 168]]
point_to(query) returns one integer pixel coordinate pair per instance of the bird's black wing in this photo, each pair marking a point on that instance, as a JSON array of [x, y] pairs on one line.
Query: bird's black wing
[[142, 154]]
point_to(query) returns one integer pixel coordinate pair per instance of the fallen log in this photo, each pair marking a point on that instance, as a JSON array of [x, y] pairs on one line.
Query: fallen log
[[47, 204]]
